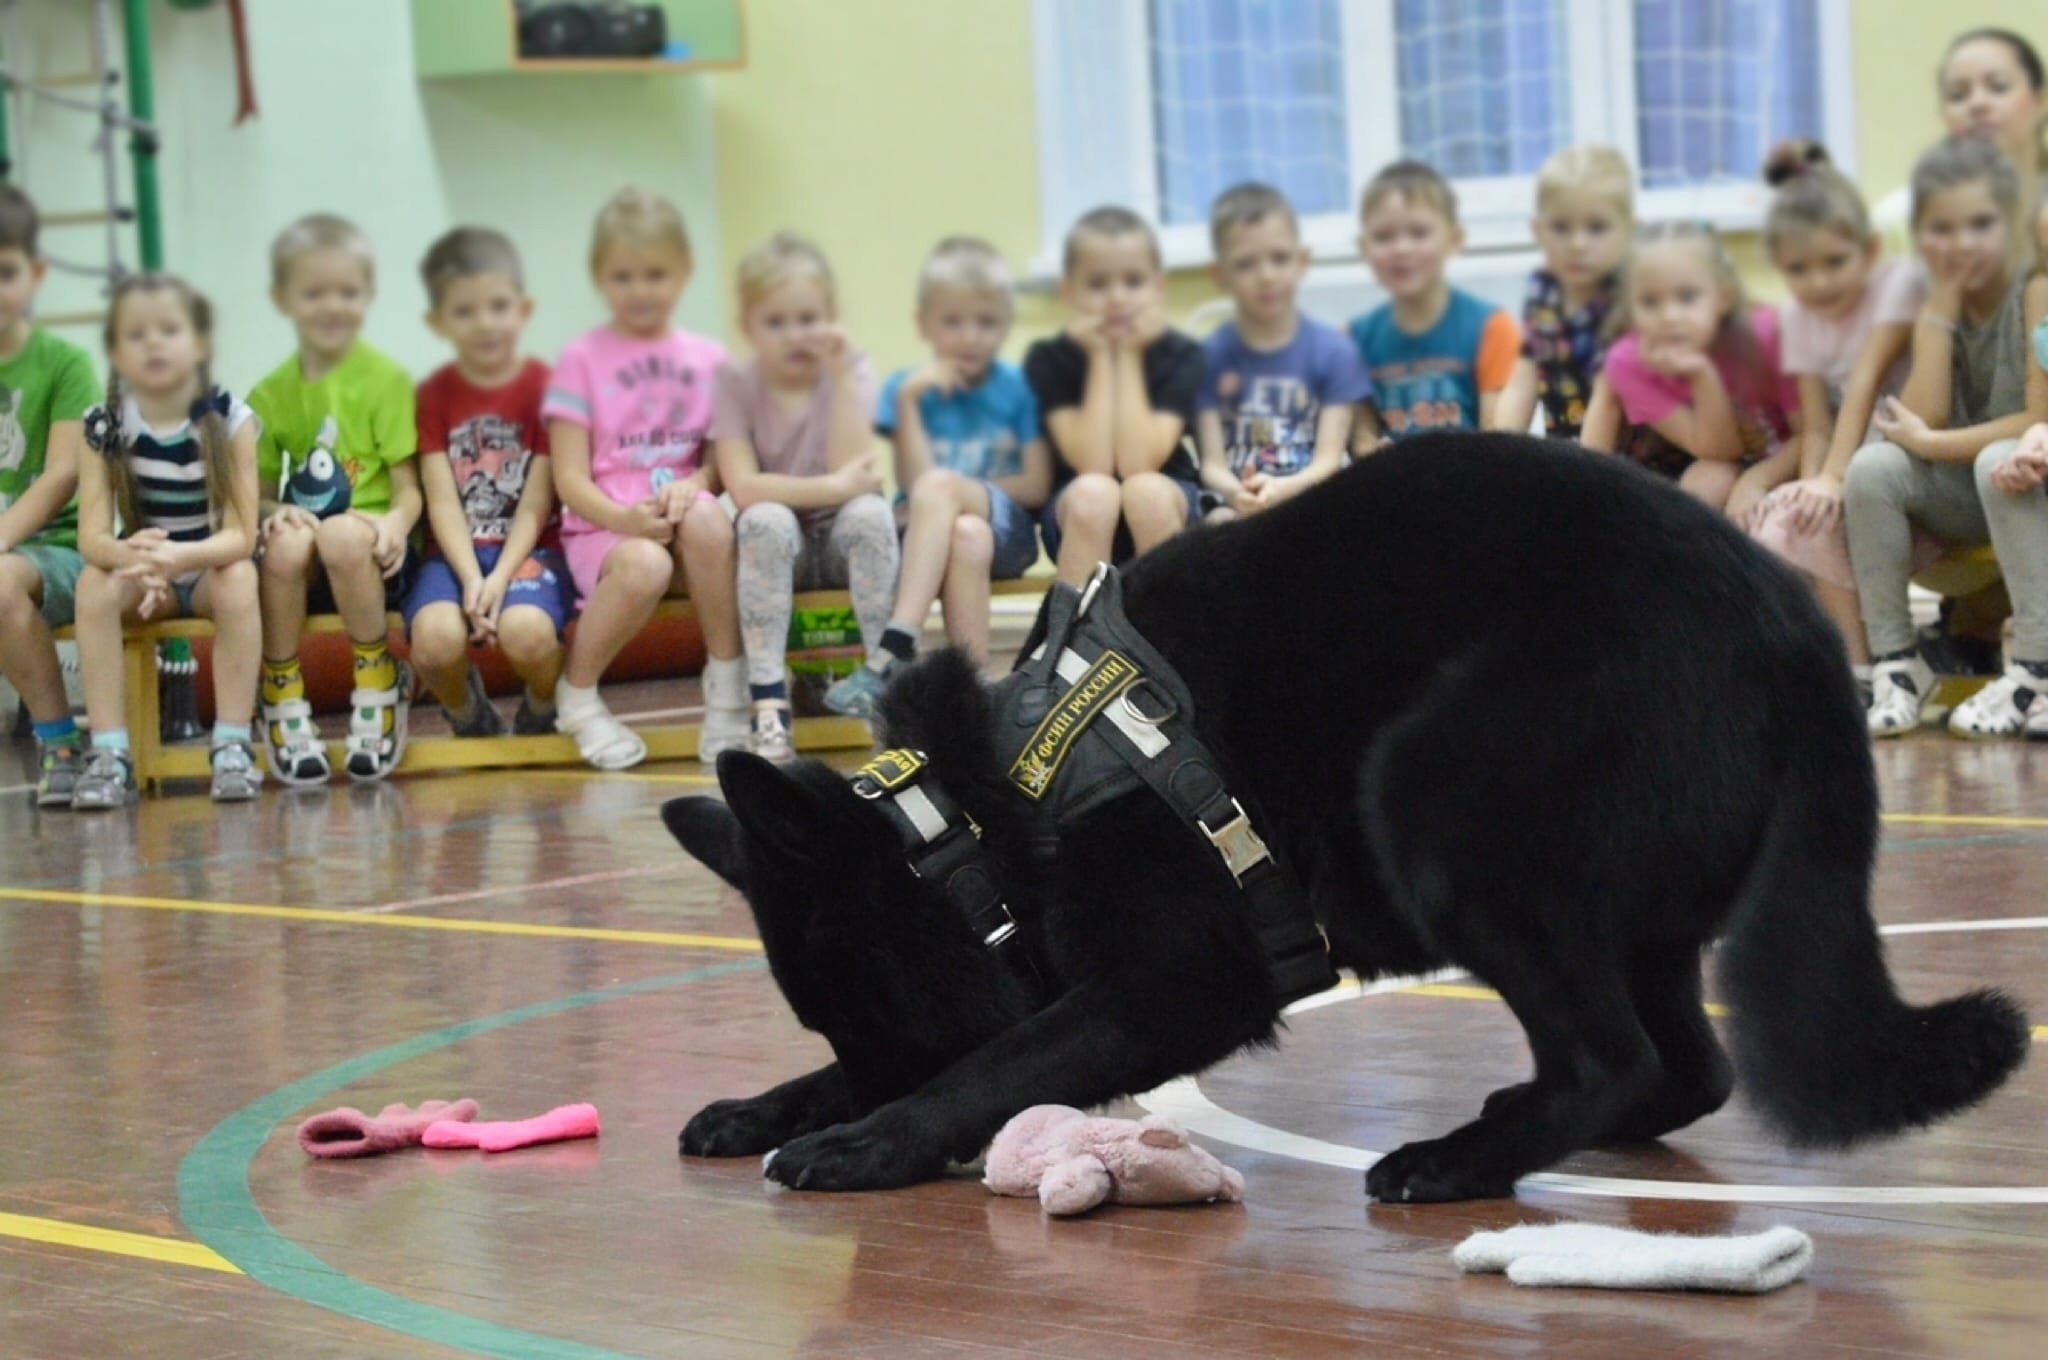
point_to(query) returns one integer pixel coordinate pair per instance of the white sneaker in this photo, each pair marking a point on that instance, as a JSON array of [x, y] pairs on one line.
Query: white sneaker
[[728, 716], [1898, 691], [2015, 702], [770, 738]]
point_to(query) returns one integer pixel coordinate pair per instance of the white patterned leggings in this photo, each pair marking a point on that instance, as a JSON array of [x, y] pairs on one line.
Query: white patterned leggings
[[779, 555]]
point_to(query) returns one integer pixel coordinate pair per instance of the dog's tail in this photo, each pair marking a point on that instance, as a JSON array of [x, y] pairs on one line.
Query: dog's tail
[[1823, 1045]]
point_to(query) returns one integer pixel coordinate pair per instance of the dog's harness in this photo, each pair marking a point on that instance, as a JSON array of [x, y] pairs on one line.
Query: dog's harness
[[1091, 712]]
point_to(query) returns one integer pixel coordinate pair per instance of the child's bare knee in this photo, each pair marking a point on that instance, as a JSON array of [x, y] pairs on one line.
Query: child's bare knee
[[938, 488], [439, 637], [640, 568], [1092, 503], [527, 636], [1154, 499], [288, 554], [234, 584], [707, 533], [974, 544], [345, 542], [17, 594]]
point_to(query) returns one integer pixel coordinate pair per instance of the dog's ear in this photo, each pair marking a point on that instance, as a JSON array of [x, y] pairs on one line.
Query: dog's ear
[[707, 829], [781, 813]]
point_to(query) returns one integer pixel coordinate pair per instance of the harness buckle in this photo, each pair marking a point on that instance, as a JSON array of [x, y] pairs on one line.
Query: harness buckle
[[1237, 842]]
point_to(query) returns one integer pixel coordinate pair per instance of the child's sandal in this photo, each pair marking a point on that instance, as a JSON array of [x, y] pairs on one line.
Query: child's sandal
[[372, 753], [300, 759], [602, 740]]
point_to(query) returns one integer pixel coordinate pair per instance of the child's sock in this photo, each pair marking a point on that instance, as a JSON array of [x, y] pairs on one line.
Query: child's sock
[[113, 739], [539, 707], [725, 682], [63, 732], [223, 733], [556, 1126], [777, 693], [375, 670], [575, 701], [282, 682], [899, 643], [1861, 672]]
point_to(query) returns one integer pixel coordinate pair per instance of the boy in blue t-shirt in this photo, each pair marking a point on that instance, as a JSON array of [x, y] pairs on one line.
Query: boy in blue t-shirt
[[970, 460], [1438, 357], [1274, 412]]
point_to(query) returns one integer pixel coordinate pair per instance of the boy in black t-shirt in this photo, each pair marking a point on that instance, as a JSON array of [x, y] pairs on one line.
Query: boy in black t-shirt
[[1117, 390]]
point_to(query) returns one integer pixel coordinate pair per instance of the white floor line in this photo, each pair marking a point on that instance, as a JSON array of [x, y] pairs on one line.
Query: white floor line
[[17, 788], [512, 889], [650, 715]]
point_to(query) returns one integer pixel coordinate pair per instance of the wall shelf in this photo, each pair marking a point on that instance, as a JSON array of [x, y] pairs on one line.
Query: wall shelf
[[452, 38]]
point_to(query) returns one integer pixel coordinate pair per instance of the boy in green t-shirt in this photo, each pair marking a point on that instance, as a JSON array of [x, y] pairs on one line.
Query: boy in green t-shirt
[[341, 495], [46, 385]]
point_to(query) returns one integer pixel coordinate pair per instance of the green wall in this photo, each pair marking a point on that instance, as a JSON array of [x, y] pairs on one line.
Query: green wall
[[346, 127]]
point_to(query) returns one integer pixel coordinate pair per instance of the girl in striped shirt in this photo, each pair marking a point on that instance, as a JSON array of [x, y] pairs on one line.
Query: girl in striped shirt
[[167, 525]]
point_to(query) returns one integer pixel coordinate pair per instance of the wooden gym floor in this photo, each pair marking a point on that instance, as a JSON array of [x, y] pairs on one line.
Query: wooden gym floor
[[180, 985]]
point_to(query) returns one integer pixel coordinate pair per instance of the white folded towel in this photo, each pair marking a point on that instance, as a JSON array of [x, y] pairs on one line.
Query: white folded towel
[[1594, 1257]]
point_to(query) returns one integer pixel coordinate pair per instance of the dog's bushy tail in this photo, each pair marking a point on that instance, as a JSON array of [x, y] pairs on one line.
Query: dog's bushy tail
[[1824, 1046]]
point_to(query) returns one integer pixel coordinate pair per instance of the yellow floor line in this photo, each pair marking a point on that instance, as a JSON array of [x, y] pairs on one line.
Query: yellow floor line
[[1941, 819], [345, 918], [169, 1250]]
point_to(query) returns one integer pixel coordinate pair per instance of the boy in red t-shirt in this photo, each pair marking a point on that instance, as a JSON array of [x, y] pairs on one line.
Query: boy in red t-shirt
[[494, 570]]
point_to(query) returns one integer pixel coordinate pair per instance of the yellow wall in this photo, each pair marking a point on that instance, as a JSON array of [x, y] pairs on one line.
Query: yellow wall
[[881, 125]]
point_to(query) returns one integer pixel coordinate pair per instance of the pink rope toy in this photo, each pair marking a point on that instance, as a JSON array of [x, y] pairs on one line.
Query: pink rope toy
[[348, 1132], [559, 1125]]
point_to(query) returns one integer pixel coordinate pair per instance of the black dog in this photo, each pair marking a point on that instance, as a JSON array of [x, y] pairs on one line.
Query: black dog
[[1494, 703]]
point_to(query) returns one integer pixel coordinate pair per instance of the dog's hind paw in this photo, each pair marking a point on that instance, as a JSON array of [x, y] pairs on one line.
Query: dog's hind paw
[[857, 1156], [1431, 1173]]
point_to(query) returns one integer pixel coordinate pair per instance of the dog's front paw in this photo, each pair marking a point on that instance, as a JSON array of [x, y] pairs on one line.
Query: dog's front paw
[[735, 1128], [864, 1155], [1432, 1172]]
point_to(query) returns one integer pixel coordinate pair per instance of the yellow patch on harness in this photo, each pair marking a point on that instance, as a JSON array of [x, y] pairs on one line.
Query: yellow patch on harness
[[1039, 762]]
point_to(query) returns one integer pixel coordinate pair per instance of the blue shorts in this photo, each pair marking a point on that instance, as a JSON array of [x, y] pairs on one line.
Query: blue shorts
[[542, 581], [1123, 550], [1016, 535]]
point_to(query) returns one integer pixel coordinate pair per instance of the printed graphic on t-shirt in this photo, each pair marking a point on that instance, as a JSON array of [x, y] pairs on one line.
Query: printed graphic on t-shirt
[[489, 460], [1421, 395], [1269, 423], [984, 457], [661, 432], [13, 440]]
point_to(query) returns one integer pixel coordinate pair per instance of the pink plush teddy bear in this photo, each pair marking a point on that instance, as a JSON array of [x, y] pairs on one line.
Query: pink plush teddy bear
[[1073, 1162]]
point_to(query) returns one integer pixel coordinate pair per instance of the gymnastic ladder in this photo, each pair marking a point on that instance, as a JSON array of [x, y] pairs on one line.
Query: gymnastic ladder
[[104, 81]]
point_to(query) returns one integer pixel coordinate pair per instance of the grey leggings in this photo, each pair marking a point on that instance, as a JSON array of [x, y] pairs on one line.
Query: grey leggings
[[779, 555], [1889, 490]]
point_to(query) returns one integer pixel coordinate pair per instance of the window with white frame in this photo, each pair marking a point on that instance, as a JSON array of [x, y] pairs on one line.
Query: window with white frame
[[1160, 104]]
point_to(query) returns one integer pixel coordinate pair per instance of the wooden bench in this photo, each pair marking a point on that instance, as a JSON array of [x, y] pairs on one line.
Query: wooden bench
[[155, 761]]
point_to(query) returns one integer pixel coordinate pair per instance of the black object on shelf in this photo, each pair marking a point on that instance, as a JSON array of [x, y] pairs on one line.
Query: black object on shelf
[[591, 28]]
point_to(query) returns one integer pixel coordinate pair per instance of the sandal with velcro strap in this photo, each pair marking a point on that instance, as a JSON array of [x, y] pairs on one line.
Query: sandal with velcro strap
[[300, 761], [372, 753]]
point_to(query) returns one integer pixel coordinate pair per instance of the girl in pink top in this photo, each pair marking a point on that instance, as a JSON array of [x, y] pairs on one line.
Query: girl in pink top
[[796, 444], [1694, 389], [628, 412], [1847, 325]]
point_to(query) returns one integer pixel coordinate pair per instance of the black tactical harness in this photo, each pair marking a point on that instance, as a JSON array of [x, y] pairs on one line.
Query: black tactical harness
[[1090, 713]]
